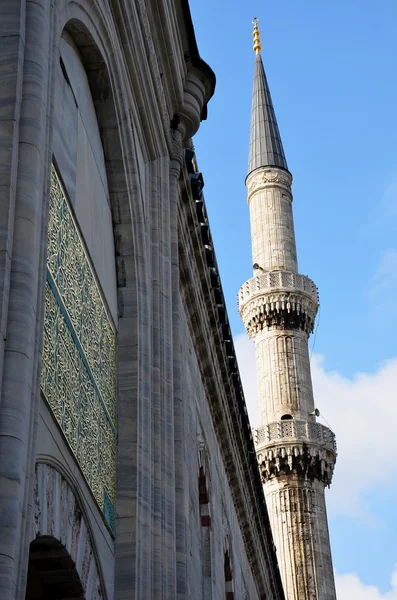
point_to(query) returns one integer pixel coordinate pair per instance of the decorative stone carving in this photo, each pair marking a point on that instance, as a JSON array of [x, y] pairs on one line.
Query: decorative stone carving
[[153, 61], [78, 378], [261, 178], [278, 299], [296, 446], [297, 429], [306, 460], [57, 514], [277, 280]]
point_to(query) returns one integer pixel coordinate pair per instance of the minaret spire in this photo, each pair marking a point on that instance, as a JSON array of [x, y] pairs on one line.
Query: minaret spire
[[266, 148], [296, 455]]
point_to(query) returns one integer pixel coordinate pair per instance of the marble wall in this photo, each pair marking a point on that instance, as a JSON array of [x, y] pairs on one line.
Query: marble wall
[[116, 115], [224, 522]]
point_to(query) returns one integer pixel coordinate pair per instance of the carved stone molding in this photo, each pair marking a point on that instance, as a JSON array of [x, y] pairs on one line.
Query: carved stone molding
[[153, 60], [262, 178], [277, 280], [195, 94], [198, 81], [305, 459], [278, 299], [176, 146], [307, 431], [57, 514]]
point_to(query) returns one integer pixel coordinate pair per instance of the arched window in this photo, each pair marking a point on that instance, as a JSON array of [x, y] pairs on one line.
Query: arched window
[[286, 417]]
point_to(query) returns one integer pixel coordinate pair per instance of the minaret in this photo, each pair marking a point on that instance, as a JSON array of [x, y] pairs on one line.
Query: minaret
[[296, 455]]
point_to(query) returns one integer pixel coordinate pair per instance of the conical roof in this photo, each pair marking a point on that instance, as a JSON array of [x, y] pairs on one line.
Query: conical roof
[[266, 148]]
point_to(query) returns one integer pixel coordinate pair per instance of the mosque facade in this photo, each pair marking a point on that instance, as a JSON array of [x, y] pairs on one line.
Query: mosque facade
[[127, 461]]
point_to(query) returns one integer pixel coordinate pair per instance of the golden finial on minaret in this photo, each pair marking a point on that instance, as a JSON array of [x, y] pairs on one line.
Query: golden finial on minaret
[[257, 41]]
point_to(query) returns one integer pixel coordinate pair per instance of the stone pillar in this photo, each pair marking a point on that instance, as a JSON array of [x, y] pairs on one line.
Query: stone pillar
[[296, 455], [163, 581], [29, 23], [179, 429]]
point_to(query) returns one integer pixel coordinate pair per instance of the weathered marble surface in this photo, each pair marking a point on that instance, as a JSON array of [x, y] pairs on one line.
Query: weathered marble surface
[[278, 307], [119, 149], [299, 521], [57, 513]]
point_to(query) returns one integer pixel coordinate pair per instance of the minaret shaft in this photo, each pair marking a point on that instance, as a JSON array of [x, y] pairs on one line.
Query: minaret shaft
[[272, 226], [298, 519], [296, 455], [278, 305], [283, 375]]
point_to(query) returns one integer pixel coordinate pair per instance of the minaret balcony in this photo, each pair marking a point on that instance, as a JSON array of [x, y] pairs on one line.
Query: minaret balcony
[[296, 446], [297, 429], [278, 299]]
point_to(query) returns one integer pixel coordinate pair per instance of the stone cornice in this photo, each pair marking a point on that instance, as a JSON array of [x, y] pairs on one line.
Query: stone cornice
[[173, 84], [265, 177], [186, 81], [184, 102], [206, 312], [196, 66]]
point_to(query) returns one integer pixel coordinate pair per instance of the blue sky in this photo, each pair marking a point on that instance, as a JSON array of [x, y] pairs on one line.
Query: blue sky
[[332, 71]]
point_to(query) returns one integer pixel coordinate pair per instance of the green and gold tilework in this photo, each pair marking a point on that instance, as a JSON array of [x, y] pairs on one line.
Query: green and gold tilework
[[78, 378]]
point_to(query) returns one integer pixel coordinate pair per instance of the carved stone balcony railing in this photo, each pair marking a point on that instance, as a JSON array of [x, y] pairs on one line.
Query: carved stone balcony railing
[[279, 299], [300, 430], [277, 280]]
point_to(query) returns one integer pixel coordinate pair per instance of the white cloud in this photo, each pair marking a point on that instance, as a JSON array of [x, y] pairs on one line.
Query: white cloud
[[362, 412], [350, 587]]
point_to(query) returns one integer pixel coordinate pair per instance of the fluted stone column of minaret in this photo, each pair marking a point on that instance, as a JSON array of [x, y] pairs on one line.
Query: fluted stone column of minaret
[[296, 455]]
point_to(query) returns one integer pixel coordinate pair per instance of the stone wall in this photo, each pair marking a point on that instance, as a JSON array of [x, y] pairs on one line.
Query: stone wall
[[116, 115], [224, 525]]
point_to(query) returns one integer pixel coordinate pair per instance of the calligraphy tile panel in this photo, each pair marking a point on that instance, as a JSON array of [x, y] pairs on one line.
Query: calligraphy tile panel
[[78, 378], [77, 284]]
